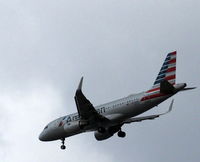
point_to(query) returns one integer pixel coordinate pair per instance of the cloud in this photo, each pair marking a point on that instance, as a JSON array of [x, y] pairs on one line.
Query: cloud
[[26, 112], [118, 46]]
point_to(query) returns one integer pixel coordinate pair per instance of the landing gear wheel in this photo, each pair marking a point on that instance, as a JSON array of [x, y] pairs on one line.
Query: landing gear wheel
[[63, 147], [63, 144], [121, 134]]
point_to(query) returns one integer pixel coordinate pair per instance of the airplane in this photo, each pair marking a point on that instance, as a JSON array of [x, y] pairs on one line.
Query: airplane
[[107, 119]]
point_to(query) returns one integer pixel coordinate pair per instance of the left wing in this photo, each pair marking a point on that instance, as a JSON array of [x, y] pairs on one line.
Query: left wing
[[150, 117], [86, 110]]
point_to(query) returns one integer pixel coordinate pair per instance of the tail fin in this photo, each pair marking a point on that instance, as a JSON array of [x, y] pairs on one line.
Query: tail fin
[[167, 72]]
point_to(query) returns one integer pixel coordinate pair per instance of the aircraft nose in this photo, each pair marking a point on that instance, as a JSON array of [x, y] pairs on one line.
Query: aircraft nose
[[45, 136], [41, 137]]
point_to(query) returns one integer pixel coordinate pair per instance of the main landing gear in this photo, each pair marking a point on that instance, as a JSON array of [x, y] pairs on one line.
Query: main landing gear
[[63, 147], [121, 134]]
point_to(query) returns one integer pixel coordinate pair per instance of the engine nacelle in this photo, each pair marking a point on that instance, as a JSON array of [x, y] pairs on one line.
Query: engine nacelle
[[102, 136]]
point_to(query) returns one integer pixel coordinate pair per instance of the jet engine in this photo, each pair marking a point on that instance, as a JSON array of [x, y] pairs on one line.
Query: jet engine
[[105, 133], [102, 136]]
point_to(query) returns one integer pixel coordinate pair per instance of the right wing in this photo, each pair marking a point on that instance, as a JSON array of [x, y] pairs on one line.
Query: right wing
[[150, 117]]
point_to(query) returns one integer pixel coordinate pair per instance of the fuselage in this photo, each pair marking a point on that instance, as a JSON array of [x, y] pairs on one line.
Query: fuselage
[[116, 111]]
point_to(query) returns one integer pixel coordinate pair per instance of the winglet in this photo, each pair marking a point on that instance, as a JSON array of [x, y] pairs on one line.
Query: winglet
[[170, 108], [171, 105], [80, 84]]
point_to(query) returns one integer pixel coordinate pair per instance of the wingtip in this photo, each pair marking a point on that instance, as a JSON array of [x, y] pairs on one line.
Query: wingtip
[[80, 84], [171, 105]]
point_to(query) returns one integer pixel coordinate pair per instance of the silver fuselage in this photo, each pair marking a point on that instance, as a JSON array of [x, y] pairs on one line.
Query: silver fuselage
[[116, 111]]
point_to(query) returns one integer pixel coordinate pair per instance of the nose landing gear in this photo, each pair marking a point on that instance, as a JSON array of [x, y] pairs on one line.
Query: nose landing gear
[[63, 147], [121, 134]]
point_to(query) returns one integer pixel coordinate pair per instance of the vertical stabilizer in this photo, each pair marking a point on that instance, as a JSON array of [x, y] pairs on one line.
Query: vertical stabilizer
[[167, 72]]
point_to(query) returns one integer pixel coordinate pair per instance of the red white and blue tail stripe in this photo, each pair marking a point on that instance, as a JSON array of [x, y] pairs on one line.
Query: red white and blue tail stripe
[[167, 72]]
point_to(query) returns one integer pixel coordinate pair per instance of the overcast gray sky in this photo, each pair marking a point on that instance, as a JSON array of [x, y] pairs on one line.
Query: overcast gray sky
[[118, 46]]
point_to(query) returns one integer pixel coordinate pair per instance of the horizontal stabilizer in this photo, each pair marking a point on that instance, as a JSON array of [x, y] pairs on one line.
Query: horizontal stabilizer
[[166, 87], [189, 88]]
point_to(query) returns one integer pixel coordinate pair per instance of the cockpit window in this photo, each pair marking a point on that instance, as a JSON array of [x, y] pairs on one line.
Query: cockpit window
[[46, 127]]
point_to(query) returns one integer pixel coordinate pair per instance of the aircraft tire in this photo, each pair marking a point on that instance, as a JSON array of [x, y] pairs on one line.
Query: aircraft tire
[[63, 147], [121, 134]]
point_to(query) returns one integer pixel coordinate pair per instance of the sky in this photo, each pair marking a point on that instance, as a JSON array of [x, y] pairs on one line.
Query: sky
[[118, 46]]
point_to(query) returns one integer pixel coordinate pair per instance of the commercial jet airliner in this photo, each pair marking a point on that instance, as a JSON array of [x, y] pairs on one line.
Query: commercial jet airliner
[[107, 119]]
